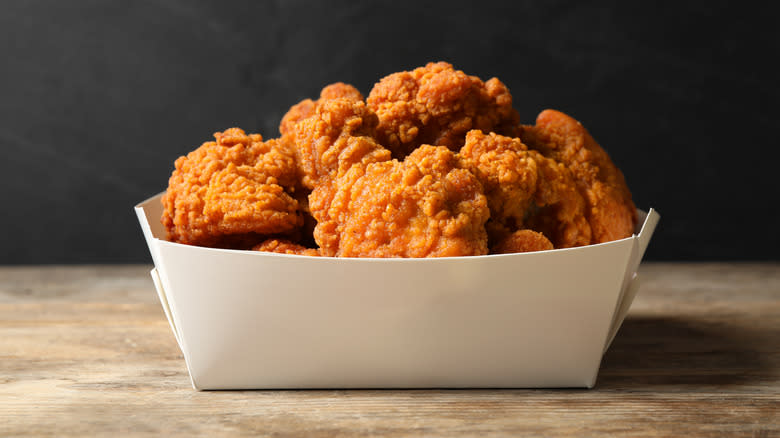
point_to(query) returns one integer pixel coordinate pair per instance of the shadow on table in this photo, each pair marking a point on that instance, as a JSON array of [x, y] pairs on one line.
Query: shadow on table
[[678, 351]]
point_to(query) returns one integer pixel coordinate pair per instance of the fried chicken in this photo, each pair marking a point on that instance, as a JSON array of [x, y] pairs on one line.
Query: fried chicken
[[438, 105], [525, 190], [433, 164], [231, 192], [609, 209], [283, 246], [522, 241], [424, 206], [339, 133], [307, 107], [508, 175], [560, 209]]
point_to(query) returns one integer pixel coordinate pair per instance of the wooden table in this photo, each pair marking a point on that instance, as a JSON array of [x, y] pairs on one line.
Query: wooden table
[[86, 351]]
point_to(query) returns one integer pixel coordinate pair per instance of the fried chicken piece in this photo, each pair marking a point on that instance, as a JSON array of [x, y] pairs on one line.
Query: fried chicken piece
[[306, 108], [328, 136], [508, 175], [425, 206], [560, 212], [610, 210], [230, 192], [336, 136], [283, 246], [525, 190], [438, 105], [522, 241]]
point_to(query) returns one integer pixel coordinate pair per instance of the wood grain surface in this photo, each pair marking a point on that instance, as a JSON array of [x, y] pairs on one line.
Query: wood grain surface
[[86, 351]]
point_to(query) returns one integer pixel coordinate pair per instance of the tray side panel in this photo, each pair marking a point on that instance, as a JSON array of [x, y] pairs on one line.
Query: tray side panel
[[255, 320]]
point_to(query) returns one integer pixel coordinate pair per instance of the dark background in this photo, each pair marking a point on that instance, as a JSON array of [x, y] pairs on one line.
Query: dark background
[[97, 99]]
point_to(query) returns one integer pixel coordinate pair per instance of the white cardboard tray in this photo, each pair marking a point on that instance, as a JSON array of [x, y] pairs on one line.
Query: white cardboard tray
[[253, 320]]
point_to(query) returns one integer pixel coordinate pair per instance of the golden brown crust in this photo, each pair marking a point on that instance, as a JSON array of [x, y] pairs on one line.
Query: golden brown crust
[[525, 190], [522, 241], [340, 90], [295, 114], [227, 193], [508, 175], [330, 179], [425, 206], [609, 208], [560, 209], [438, 105], [307, 107], [282, 246], [338, 135]]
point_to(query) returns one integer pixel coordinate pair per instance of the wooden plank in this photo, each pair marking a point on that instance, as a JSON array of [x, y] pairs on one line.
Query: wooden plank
[[86, 351]]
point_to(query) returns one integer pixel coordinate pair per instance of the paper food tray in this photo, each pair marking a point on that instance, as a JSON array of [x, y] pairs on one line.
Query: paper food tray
[[254, 320]]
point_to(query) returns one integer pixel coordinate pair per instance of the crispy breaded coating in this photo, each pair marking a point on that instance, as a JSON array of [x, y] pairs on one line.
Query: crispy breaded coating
[[508, 175], [525, 190], [328, 136], [438, 105], [295, 114], [609, 208], [433, 164], [340, 90], [522, 241], [283, 246], [306, 107], [230, 192], [425, 206], [338, 135], [560, 209]]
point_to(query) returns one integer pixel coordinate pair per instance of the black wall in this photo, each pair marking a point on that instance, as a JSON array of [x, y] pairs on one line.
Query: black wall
[[97, 99]]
